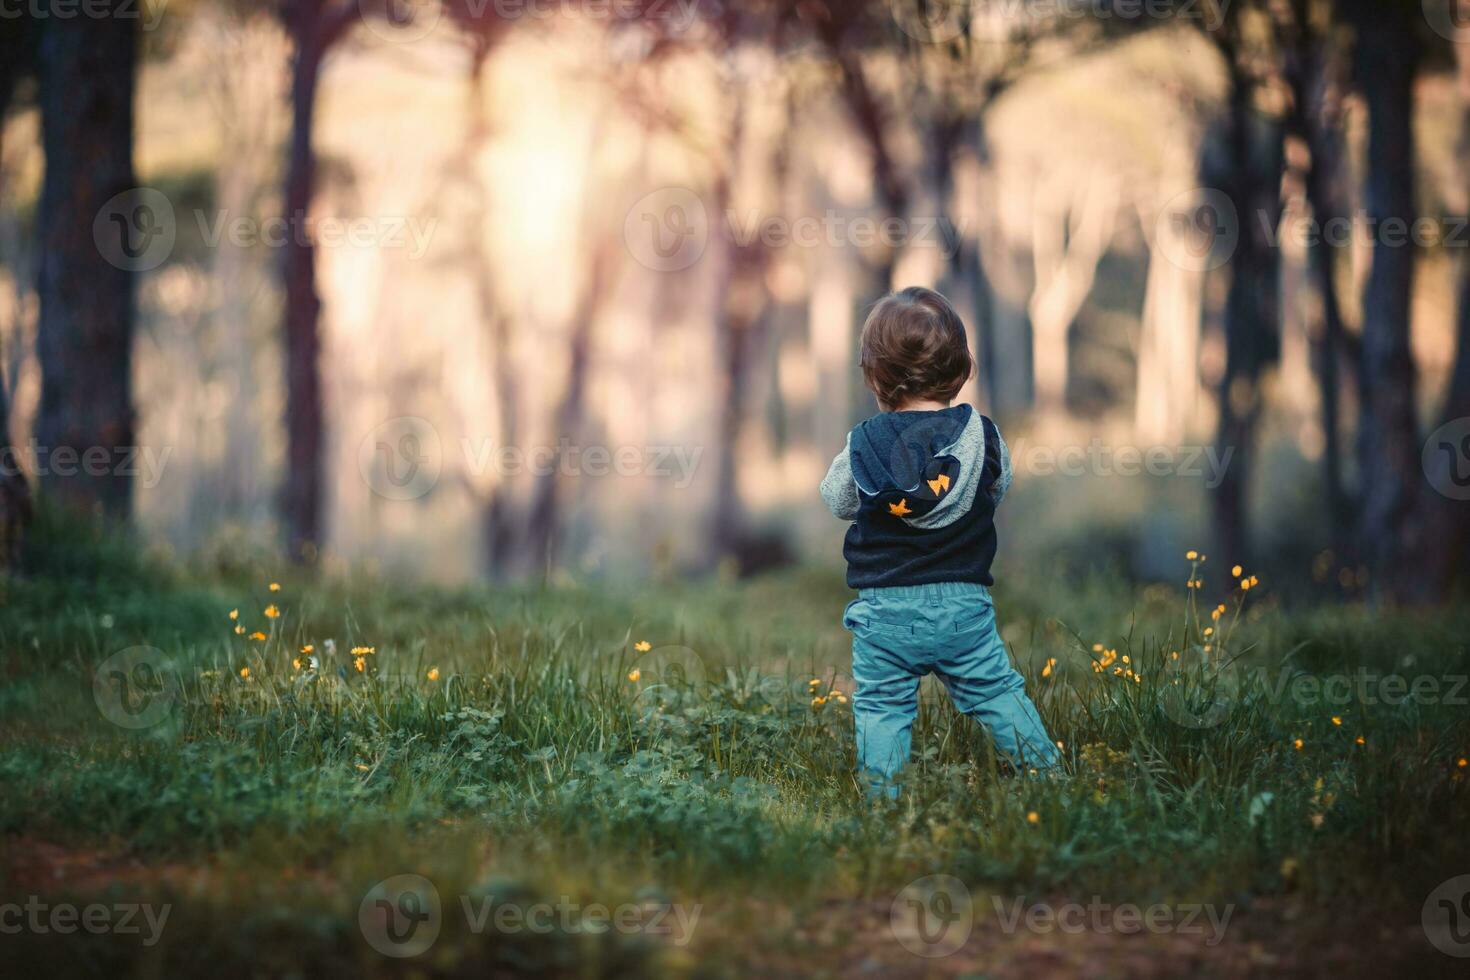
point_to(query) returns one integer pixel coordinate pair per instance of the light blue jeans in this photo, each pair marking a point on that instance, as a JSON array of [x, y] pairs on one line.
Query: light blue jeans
[[899, 634]]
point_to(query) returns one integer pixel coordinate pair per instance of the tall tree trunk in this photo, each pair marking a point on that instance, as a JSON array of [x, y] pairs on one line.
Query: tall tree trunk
[[499, 517], [1166, 391], [301, 497], [1447, 514], [85, 335], [15, 491], [1388, 451], [544, 520], [1317, 96], [1070, 236], [965, 282], [1252, 309]]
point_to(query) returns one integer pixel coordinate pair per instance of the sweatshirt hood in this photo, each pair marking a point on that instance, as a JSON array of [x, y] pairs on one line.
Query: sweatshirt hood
[[919, 467]]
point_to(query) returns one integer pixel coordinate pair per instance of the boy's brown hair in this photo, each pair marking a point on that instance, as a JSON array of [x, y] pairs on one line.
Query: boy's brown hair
[[914, 349]]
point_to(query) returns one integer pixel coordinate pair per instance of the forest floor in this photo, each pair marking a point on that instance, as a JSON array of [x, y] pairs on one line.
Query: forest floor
[[229, 769]]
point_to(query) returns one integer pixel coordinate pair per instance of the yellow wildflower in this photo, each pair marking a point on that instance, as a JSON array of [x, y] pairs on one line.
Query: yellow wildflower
[[1235, 571], [245, 672], [309, 648], [363, 651], [1297, 743], [239, 630], [257, 635], [1337, 720], [234, 614], [643, 646], [360, 663], [1050, 663], [271, 612], [1033, 818], [634, 674], [433, 673], [275, 586], [296, 662], [1361, 740], [1191, 555]]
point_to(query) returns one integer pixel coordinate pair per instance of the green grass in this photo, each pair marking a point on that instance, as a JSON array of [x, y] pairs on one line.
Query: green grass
[[264, 807]]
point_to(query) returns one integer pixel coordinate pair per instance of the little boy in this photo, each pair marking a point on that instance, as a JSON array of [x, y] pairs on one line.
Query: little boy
[[920, 481]]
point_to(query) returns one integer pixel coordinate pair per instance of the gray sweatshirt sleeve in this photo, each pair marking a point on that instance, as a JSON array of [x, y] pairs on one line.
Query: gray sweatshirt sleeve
[[1003, 482], [839, 489]]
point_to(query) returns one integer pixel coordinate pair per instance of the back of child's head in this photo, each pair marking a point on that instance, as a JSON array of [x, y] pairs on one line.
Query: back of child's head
[[914, 348]]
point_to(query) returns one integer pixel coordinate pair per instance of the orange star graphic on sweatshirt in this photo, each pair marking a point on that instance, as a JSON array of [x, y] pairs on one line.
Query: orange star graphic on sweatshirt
[[899, 509]]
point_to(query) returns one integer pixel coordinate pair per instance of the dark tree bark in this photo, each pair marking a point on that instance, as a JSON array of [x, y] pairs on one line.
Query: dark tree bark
[[1316, 119], [1386, 60], [1252, 313], [313, 26], [15, 491], [85, 335], [1447, 537]]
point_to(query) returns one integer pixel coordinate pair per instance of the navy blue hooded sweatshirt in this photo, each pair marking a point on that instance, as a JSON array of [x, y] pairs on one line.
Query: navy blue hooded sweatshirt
[[921, 489]]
